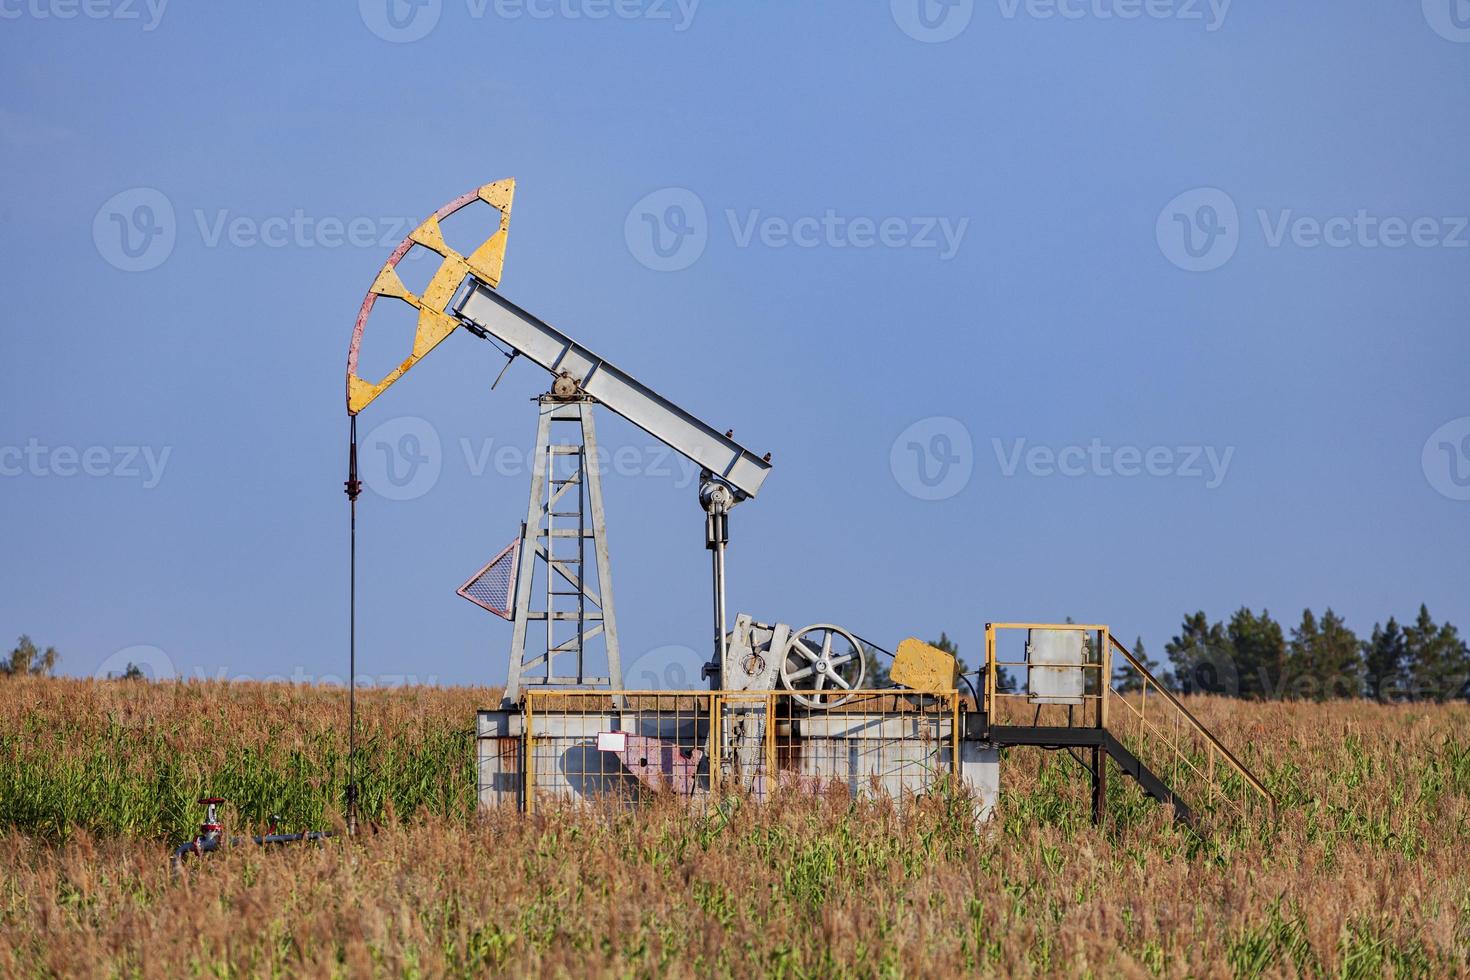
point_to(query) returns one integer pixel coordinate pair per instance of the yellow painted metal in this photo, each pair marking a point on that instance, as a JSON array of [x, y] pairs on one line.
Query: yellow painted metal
[[989, 706], [528, 774], [954, 735], [924, 667], [771, 774], [486, 263]]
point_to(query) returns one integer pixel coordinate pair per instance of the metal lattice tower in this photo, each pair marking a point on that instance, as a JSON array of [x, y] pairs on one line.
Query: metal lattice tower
[[563, 518]]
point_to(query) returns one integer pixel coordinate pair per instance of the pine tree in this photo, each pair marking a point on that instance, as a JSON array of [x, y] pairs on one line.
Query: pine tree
[[1339, 659], [1305, 637], [1438, 660], [1202, 658], [1259, 647], [875, 671], [1385, 662], [1324, 660]]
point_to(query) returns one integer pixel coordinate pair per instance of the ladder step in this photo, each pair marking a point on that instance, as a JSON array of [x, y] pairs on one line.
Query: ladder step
[[558, 532], [564, 617], [565, 513]]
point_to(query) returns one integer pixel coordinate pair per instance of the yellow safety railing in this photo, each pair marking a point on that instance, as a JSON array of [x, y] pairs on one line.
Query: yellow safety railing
[[703, 744], [1171, 726], [1010, 707], [1149, 721]]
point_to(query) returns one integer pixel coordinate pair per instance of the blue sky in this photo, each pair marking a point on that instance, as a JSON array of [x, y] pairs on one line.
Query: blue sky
[[1109, 309]]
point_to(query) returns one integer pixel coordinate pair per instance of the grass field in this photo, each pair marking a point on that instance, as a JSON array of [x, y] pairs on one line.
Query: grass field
[[1365, 873]]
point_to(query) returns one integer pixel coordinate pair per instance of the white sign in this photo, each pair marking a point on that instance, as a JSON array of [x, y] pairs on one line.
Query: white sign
[[612, 741]]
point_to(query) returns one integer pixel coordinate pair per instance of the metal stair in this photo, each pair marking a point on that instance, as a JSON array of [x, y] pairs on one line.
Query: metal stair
[[1147, 730], [1147, 778]]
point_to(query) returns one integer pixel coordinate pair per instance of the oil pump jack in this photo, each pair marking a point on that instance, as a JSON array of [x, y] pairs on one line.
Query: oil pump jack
[[785, 706], [565, 513]]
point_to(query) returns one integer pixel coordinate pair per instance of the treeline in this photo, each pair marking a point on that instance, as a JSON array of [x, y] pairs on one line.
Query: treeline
[[1253, 656]]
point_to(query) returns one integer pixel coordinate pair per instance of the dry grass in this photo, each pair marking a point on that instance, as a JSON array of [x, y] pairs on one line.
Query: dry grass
[[1365, 875]]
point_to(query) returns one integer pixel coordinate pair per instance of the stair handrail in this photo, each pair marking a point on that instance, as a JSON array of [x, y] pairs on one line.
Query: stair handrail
[[1236, 764]]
